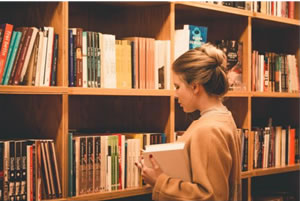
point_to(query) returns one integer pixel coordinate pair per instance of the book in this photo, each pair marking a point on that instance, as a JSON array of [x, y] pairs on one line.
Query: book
[[197, 36], [169, 156], [8, 30], [11, 44]]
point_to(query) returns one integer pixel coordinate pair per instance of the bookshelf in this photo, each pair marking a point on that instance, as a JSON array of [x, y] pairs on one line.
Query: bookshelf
[[49, 112]]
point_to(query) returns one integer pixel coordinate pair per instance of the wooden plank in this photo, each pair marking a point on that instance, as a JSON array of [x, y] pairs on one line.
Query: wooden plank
[[18, 89], [276, 170]]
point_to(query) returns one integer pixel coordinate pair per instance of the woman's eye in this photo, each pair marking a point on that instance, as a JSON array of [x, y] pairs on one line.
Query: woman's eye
[[176, 86]]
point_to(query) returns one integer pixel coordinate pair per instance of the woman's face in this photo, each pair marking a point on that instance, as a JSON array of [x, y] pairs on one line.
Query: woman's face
[[184, 93]]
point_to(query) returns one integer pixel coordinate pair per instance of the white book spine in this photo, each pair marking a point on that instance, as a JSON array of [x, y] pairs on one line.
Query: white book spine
[[49, 55], [43, 58]]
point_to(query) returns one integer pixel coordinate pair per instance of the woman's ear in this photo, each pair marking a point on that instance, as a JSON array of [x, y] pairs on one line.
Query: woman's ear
[[197, 88]]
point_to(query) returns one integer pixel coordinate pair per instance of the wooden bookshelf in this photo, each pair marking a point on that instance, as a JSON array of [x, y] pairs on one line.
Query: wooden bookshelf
[[49, 112]]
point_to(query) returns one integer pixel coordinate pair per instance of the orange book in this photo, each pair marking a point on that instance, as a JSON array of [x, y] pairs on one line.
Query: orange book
[[291, 147]]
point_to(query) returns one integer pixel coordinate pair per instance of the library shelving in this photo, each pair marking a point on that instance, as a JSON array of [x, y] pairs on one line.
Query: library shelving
[[49, 112]]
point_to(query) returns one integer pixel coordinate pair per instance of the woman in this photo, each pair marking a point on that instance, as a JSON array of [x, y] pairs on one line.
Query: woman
[[212, 141]]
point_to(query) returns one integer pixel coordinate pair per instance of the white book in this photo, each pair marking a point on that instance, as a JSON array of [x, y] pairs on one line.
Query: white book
[[103, 162], [181, 45], [29, 52], [43, 58], [84, 59], [168, 156], [49, 55], [109, 61], [39, 59], [167, 48], [136, 154]]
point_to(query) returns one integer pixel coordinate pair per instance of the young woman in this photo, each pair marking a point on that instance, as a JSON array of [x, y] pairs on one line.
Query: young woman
[[212, 141]]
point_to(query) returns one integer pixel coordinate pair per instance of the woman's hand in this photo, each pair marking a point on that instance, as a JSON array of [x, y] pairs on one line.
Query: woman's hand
[[149, 174]]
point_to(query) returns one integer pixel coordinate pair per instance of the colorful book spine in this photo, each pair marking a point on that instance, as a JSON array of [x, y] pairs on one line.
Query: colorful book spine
[[12, 58], [8, 29], [12, 42]]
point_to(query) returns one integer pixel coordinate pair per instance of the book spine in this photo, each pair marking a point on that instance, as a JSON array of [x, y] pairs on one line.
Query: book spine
[[90, 153], [54, 62], [4, 48], [83, 166], [97, 163], [12, 42], [12, 171], [20, 64], [1, 169], [78, 53], [18, 167], [28, 52], [291, 9], [70, 164], [84, 59], [71, 59], [8, 72]]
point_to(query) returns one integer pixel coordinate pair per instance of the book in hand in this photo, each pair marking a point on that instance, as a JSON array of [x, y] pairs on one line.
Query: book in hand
[[172, 159]]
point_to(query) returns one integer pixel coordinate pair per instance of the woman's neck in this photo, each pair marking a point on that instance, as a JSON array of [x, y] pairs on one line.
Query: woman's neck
[[207, 102]]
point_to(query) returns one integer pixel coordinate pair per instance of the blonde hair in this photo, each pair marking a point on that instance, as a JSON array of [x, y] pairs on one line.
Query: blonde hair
[[206, 66]]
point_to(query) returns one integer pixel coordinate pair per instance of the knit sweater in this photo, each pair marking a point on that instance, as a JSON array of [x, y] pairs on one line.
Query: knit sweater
[[213, 147]]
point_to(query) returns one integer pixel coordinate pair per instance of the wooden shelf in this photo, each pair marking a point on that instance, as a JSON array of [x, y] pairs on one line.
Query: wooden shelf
[[246, 174], [113, 194], [118, 92], [32, 90], [237, 94], [284, 20], [275, 170], [219, 9], [275, 95]]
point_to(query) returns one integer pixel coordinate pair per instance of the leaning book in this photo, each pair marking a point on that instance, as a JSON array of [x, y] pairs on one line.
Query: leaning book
[[172, 159]]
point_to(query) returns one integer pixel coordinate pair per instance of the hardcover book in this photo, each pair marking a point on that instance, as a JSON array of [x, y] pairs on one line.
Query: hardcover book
[[172, 159], [198, 35]]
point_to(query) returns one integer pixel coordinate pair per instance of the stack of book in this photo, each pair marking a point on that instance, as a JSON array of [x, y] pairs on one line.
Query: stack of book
[[100, 162], [29, 170], [28, 56], [100, 60]]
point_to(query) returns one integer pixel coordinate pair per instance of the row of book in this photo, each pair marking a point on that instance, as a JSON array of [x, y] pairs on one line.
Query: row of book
[[28, 55], [100, 60], [106, 162], [29, 170], [273, 72], [274, 8], [275, 146]]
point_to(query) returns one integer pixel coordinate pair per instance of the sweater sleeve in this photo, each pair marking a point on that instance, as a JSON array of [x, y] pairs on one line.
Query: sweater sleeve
[[210, 161]]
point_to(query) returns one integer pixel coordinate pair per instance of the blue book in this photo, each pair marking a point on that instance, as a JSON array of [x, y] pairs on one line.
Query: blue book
[[12, 56], [11, 44], [198, 35]]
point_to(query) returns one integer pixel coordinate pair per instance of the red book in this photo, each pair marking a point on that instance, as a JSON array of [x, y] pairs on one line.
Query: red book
[[291, 146], [291, 9], [8, 29]]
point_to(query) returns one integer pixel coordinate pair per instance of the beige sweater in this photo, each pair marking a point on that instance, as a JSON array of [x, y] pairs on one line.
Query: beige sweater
[[214, 148]]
